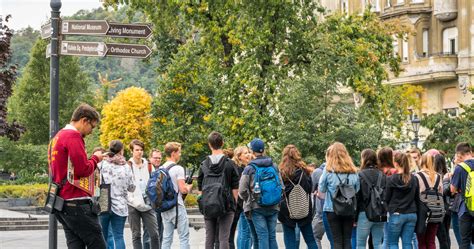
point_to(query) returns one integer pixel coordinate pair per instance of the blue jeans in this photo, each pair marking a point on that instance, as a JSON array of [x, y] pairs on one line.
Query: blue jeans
[[265, 221], [169, 218], [244, 240], [289, 236], [110, 239], [401, 225], [117, 223], [354, 238], [327, 228], [365, 227]]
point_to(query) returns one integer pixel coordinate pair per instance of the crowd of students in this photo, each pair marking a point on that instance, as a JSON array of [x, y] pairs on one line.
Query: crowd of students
[[392, 196]]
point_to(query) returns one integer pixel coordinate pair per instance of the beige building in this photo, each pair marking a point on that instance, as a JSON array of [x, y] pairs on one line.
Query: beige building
[[439, 55]]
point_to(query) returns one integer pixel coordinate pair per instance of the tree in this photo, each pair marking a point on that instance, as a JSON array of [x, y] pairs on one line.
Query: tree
[[22, 42], [29, 103], [11, 130], [127, 117]]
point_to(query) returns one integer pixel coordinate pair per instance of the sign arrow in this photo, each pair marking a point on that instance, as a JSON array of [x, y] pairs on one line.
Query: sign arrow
[[128, 50], [46, 31], [83, 48], [129, 30], [84, 27]]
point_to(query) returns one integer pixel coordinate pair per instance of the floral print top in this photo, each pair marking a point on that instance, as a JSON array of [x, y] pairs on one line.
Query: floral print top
[[120, 179]]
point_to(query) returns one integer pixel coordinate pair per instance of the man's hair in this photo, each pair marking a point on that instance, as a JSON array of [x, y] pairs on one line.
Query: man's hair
[[153, 151], [136, 142], [171, 147], [215, 140], [85, 111], [463, 148]]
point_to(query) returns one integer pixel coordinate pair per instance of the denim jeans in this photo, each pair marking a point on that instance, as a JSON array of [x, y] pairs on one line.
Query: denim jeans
[[455, 226], [366, 227], [354, 238], [401, 225], [265, 221], [327, 229], [289, 236], [117, 224], [169, 220], [244, 240], [110, 239], [414, 241]]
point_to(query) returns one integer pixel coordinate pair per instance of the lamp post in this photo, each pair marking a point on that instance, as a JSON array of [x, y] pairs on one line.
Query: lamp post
[[415, 123], [54, 100]]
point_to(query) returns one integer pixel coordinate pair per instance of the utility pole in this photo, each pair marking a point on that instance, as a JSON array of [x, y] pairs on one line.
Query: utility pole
[[54, 101]]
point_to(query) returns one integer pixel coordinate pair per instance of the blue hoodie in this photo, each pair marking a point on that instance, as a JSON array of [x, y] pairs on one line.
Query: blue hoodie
[[246, 183], [459, 181]]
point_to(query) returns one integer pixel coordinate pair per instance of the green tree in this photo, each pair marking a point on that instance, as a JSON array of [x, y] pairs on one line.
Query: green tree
[[29, 103], [22, 42]]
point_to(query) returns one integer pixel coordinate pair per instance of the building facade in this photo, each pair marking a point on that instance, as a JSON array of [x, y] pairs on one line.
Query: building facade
[[438, 55]]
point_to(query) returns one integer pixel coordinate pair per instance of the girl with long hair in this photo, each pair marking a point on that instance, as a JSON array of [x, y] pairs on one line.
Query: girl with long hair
[[241, 157], [295, 172], [427, 178], [385, 161], [443, 229], [339, 169], [401, 194], [369, 176], [115, 171]]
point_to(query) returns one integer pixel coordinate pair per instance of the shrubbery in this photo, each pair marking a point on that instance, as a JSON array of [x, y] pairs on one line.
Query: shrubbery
[[34, 191]]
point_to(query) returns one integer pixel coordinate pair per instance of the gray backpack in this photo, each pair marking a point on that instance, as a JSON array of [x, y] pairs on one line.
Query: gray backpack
[[433, 200], [298, 201]]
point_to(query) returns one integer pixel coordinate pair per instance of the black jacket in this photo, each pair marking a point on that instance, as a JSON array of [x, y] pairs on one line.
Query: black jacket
[[401, 197], [363, 196], [283, 214]]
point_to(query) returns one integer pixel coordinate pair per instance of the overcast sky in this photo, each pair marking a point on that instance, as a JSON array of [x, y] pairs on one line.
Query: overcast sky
[[36, 12]]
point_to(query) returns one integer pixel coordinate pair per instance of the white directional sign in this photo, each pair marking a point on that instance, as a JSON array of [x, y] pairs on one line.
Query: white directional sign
[[84, 27], [46, 31], [128, 50], [83, 48], [129, 30], [48, 50]]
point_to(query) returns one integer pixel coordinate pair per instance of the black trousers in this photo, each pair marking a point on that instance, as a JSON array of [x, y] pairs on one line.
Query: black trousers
[[443, 232], [233, 228], [466, 227], [341, 229], [81, 227]]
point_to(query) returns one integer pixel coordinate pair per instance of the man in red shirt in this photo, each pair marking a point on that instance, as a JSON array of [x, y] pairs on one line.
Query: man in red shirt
[[71, 170]]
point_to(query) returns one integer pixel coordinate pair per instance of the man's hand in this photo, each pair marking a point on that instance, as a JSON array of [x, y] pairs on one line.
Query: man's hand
[[189, 187], [99, 155]]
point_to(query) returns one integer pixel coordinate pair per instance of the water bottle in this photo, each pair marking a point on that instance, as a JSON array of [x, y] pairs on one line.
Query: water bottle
[[256, 191]]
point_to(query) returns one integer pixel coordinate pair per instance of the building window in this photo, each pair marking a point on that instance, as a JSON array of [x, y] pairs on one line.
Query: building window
[[405, 51], [450, 40], [374, 5], [451, 112], [450, 101], [388, 3], [400, 2], [425, 43], [417, 1], [395, 46]]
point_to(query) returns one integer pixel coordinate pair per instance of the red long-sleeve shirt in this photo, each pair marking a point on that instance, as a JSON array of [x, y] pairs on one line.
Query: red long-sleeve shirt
[[68, 143]]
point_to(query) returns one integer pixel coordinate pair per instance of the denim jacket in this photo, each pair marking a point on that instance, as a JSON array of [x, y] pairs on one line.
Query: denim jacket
[[329, 182]]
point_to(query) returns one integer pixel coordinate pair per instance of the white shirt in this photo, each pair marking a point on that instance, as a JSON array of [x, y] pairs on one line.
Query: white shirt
[[176, 173], [121, 181]]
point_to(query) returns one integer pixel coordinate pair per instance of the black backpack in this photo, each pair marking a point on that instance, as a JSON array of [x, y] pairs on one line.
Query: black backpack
[[433, 200], [376, 210], [344, 201], [214, 202]]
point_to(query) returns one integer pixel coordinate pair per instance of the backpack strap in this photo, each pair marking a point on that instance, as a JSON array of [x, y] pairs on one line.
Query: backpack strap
[[437, 183], [150, 169], [379, 179], [367, 180], [299, 181], [465, 167], [170, 166], [423, 178]]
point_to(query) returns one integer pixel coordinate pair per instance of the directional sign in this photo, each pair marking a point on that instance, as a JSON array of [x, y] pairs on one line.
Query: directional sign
[[83, 48], [46, 31], [129, 30], [128, 50], [84, 27], [48, 50]]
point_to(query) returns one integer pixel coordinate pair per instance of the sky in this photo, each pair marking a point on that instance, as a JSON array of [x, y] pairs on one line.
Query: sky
[[36, 12]]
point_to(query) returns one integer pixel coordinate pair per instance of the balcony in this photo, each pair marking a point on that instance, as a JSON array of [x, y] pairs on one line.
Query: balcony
[[445, 10], [427, 68], [407, 8]]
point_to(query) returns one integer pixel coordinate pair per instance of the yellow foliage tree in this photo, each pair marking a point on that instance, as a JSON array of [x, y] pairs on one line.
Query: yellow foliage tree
[[127, 117]]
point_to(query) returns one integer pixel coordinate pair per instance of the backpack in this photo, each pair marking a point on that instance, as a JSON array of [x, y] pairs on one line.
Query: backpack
[[161, 191], [469, 191], [298, 201], [376, 210], [433, 200], [344, 201], [267, 186], [215, 193]]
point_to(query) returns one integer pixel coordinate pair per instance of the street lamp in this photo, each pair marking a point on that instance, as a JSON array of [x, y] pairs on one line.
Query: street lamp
[[415, 123]]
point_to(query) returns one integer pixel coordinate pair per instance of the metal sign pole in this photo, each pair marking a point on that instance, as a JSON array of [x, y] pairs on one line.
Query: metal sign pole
[[54, 101]]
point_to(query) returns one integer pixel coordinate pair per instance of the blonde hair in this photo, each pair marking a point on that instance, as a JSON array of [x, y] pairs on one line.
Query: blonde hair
[[237, 153], [171, 147], [338, 159], [427, 164]]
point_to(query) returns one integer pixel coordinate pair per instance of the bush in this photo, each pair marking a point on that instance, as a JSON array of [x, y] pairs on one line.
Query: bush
[[23, 159], [191, 200], [37, 192]]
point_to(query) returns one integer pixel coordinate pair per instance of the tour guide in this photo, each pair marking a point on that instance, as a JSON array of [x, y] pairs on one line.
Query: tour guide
[[74, 173]]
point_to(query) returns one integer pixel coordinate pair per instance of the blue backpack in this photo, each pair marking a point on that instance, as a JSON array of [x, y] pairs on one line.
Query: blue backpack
[[161, 191], [267, 186]]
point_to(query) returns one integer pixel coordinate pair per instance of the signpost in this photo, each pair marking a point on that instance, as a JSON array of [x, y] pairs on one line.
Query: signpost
[[84, 27], [128, 50], [83, 48], [46, 31], [129, 30]]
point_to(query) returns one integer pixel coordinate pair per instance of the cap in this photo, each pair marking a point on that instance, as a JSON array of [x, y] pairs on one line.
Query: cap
[[257, 145]]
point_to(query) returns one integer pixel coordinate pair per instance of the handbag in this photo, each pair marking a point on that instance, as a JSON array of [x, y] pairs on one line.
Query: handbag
[[104, 200]]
